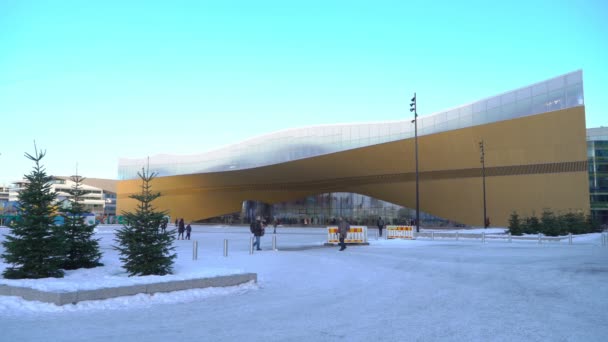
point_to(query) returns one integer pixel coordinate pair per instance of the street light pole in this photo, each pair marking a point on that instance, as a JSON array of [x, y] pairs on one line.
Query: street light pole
[[483, 177], [415, 121]]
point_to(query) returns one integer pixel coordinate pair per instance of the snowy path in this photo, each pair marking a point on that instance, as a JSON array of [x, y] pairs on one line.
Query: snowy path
[[388, 291]]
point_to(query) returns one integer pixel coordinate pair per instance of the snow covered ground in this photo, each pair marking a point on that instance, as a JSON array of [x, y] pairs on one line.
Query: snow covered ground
[[391, 290]]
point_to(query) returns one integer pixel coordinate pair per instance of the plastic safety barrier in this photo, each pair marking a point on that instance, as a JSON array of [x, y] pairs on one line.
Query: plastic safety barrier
[[400, 232], [356, 234]]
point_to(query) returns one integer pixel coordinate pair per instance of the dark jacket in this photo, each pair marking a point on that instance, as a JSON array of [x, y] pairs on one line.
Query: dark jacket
[[343, 228], [380, 223], [256, 228]]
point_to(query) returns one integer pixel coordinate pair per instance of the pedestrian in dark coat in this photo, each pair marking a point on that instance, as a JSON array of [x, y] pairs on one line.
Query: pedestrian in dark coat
[[180, 229], [163, 225], [188, 230], [380, 226], [343, 228], [258, 231]]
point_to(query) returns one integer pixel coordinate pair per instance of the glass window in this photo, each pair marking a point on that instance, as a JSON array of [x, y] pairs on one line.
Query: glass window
[[525, 93], [538, 104], [479, 107], [556, 83], [493, 102], [575, 77], [539, 89], [508, 98]]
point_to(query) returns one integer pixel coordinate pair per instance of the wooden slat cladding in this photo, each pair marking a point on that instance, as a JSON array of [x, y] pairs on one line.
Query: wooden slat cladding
[[532, 163], [333, 184]]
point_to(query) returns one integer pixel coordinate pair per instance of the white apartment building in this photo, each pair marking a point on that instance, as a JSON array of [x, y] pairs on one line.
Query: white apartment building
[[98, 201]]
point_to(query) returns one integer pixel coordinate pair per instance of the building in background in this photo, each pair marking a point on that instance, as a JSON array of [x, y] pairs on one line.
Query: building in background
[[100, 200], [597, 151], [3, 194], [535, 159]]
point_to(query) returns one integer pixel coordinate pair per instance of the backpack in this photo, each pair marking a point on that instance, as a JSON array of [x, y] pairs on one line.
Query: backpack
[[252, 227]]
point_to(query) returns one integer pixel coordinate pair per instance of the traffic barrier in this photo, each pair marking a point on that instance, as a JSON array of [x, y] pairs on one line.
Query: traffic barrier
[[400, 232], [356, 234]]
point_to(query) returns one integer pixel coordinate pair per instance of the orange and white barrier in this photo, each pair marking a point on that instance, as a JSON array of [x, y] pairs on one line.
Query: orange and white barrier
[[356, 234], [400, 232]]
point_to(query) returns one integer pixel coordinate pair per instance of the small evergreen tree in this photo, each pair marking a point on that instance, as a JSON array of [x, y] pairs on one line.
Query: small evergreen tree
[[144, 249], [34, 246], [532, 225], [515, 225], [574, 223], [82, 250], [550, 225]]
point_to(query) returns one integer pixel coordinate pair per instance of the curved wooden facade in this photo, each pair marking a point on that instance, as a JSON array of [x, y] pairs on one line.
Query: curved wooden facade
[[532, 163]]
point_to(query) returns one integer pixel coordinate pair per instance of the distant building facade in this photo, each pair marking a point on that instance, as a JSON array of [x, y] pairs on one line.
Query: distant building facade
[[535, 159], [597, 151], [100, 199]]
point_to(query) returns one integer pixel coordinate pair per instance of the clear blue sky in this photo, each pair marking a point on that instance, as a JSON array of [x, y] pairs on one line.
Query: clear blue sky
[[93, 81]]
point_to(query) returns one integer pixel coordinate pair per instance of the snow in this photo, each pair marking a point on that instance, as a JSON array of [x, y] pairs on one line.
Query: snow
[[391, 290]]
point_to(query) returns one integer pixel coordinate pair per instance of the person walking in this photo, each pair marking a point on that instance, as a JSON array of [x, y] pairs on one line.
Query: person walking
[[188, 230], [380, 226], [275, 223], [163, 225], [343, 228], [257, 230], [180, 229]]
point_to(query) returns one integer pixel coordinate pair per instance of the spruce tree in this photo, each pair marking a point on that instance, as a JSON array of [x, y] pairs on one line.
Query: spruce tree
[[82, 250], [144, 248], [34, 246], [515, 224], [550, 225]]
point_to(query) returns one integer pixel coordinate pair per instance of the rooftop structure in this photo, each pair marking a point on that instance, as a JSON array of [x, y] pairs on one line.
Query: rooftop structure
[[535, 158], [558, 93]]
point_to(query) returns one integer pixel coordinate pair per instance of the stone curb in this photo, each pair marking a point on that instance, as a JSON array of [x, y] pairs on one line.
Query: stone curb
[[62, 298]]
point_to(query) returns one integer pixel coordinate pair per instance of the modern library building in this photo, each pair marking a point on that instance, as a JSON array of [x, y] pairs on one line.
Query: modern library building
[[535, 157]]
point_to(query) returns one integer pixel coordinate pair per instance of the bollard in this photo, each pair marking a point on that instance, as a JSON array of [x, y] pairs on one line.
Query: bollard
[[483, 237], [377, 235], [539, 240], [456, 235], [251, 245], [225, 247], [194, 250], [274, 242], [509, 236], [432, 235], [570, 238]]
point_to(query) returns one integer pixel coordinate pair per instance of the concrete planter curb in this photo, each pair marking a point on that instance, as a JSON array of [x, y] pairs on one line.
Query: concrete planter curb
[[62, 298]]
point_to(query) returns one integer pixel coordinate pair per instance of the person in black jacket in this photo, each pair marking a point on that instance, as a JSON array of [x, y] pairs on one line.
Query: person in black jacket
[[188, 230], [343, 228], [257, 230], [380, 226], [180, 229]]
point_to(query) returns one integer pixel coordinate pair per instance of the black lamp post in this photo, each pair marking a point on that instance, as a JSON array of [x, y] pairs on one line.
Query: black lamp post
[[415, 121], [483, 177]]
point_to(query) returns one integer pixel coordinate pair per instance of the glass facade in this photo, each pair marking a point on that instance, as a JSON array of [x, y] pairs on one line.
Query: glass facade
[[561, 92], [597, 152], [558, 93], [324, 209]]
